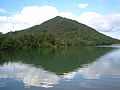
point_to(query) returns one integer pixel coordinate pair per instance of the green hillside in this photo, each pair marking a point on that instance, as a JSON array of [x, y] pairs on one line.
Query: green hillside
[[56, 32]]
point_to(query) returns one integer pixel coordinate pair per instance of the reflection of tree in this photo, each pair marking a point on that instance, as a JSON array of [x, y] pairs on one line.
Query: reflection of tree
[[58, 61]]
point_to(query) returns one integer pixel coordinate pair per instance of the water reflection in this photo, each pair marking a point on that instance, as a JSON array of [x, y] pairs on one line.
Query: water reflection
[[53, 68], [59, 61], [29, 75], [108, 64]]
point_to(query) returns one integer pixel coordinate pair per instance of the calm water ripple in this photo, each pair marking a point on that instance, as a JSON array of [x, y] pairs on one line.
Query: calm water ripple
[[88, 68]]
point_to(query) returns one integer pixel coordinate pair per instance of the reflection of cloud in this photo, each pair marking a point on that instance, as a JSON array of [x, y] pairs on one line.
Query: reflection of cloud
[[69, 75], [108, 64], [29, 75]]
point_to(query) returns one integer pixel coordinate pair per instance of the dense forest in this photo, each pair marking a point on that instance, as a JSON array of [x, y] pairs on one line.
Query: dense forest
[[56, 32]]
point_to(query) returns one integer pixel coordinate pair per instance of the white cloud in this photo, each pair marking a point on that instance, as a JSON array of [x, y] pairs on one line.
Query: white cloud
[[2, 10], [27, 17], [83, 5], [68, 15], [108, 24], [103, 23]]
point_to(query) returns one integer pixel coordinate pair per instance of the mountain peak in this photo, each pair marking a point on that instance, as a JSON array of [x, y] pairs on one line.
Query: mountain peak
[[58, 17], [56, 32]]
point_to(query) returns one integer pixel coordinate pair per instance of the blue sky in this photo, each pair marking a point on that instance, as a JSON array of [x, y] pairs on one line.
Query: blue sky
[[103, 15], [100, 6]]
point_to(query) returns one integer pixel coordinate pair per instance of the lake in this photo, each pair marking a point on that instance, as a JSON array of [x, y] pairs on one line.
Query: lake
[[78, 68]]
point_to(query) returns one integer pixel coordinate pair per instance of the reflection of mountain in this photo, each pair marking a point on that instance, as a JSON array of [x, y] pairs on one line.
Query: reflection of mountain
[[58, 61], [108, 64], [29, 75]]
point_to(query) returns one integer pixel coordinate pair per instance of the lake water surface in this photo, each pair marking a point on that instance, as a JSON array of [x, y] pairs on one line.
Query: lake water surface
[[78, 68]]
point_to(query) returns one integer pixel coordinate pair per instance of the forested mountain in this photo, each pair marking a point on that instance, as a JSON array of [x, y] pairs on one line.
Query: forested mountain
[[56, 32]]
